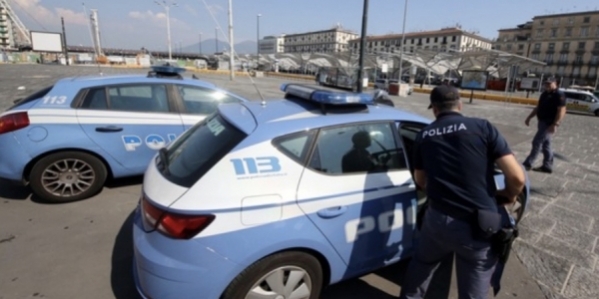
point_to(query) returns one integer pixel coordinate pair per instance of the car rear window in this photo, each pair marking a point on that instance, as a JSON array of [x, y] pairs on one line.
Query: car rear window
[[34, 96], [198, 150]]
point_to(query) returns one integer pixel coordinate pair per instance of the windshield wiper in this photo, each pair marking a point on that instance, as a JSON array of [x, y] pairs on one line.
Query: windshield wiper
[[163, 152]]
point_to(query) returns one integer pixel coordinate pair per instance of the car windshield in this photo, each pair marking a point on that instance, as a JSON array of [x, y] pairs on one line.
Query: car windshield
[[198, 150]]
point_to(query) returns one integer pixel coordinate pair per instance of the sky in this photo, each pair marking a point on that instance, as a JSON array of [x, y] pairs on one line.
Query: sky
[[132, 24]]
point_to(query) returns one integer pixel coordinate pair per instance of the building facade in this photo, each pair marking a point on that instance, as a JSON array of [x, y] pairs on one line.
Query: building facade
[[7, 38], [272, 44], [453, 38], [325, 41], [568, 43]]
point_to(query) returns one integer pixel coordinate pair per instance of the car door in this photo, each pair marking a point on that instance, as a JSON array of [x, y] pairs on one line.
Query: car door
[[199, 102], [130, 122], [575, 102], [368, 215]]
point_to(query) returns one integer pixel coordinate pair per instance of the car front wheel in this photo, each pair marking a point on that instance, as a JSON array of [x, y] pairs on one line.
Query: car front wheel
[[285, 275], [67, 176]]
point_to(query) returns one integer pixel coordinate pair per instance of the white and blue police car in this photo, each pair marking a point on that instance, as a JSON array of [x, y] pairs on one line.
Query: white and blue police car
[[291, 196], [67, 139]]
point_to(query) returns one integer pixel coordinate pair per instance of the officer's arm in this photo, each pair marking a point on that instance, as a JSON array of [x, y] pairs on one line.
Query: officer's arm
[[420, 178], [561, 109], [514, 177]]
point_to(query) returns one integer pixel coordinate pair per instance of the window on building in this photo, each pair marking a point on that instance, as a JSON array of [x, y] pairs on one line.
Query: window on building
[[555, 21], [537, 46], [595, 59], [561, 69], [578, 59], [539, 32], [593, 72], [576, 71], [563, 57], [551, 46], [548, 57], [520, 47], [553, 32], [568, 31], [586, 20], [509, 47], [453, 38], [596, 47], [581, 45], [535, 56], [565, 46], [571, 20], [436, 39], [584, 31], [597, 31]]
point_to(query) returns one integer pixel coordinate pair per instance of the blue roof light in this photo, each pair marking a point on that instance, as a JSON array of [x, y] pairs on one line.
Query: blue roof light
[[168, 69], [323, 96]]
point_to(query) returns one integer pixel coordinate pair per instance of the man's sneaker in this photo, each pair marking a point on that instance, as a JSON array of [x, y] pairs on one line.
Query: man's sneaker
[[527, 167], [543, 169]]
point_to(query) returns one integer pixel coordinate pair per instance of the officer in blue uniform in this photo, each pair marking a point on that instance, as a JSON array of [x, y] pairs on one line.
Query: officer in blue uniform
[[550, 111], [454, 160]]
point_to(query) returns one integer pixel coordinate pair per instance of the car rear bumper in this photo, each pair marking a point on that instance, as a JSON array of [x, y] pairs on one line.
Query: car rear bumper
[[168, 268], [13, 158]]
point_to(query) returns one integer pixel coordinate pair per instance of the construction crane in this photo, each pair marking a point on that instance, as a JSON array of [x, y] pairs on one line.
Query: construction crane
[[95, 27], [21, 36]]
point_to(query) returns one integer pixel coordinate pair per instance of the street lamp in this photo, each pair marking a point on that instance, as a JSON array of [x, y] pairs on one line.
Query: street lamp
[[167, 8], [403, 40], [200, 43], [362, 46], [258, 39], [216, 39]]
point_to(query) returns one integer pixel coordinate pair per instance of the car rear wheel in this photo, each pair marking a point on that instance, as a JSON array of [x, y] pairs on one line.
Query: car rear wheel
[[286, 275], [67, 176]]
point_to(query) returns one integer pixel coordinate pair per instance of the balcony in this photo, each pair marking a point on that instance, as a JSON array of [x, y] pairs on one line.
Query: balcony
[[564, 51], [577, 62], [552, 51], [580, 51], [562, 62]]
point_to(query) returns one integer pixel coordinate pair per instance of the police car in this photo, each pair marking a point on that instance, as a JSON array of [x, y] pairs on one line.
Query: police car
[[291, 196], [581, 101], [67, 139]]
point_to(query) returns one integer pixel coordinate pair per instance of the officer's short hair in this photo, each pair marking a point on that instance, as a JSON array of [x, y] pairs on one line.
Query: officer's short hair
[[444, 97]]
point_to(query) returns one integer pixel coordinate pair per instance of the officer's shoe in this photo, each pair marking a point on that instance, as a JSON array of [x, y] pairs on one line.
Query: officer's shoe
[[526, 166], [543, 169]]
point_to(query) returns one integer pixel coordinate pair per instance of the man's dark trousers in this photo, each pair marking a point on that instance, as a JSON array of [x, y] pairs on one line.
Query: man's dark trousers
[[542, 140], [442, 235]]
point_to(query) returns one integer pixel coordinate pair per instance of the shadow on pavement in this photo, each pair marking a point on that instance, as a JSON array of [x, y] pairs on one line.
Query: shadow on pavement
[[358, 288], [121, 275], [124, 182], [9, 190]]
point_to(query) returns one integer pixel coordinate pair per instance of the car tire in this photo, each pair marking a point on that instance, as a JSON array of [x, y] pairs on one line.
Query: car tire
[[67, 176], [255, 276], [597, 112]]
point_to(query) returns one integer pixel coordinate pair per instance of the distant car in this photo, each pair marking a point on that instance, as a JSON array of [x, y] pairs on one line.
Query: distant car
[[291, 196], [581, 101], [67, 139]]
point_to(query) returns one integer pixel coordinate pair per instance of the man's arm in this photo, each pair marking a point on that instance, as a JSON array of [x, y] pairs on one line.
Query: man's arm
[[514, 177], [420, 178], [561, 109]]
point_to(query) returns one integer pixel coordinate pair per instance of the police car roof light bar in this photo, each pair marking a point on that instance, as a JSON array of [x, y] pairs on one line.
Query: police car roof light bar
[[166, 71], [323, 96]]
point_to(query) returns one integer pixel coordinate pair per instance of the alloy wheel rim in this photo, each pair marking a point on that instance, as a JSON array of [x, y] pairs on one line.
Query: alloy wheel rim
[[68, 177], [286, 282]]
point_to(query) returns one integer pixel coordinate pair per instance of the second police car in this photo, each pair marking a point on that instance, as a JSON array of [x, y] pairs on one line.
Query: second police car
[[291, 196], [581, 101], [67, 139]]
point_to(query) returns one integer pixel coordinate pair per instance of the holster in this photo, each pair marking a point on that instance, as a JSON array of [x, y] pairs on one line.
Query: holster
[[486, 225], [502, 241]]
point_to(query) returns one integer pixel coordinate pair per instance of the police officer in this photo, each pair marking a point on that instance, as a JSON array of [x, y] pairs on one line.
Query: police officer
[[454, 159], [550, 111]]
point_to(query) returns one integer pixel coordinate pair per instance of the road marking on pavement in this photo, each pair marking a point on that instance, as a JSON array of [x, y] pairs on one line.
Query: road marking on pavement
[[567, 279]]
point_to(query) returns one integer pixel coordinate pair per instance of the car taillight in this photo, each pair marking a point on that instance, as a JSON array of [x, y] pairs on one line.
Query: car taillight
[[174, 225], [13, 122]]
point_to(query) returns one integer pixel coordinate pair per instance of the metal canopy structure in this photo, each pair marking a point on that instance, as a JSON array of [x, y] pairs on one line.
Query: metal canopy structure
[[497, 63]]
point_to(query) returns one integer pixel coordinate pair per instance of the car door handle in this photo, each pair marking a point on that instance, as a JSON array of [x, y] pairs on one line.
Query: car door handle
[[108, 129], [332, 212]]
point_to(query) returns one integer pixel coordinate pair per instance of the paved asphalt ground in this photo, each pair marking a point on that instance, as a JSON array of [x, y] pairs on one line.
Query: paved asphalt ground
[[83, 249]]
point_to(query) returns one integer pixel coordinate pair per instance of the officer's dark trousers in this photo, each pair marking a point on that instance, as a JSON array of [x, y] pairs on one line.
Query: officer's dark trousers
[[541, 140], [440, 236]]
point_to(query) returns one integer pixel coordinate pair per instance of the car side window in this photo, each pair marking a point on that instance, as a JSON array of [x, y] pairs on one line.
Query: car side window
[[95, 99], [199, 100], [357, 148], [139, 98], [296, 145]]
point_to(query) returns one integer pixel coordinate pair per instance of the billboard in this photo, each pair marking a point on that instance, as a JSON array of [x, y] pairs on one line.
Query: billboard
[[530, 83], [46, 41], [474, 80]]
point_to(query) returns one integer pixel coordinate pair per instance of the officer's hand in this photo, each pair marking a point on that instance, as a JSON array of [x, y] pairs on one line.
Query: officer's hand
[[504, 198], [527, 121], [552, 129]]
